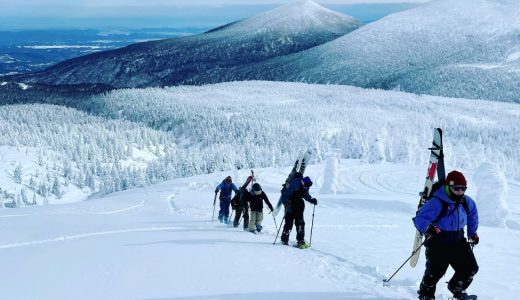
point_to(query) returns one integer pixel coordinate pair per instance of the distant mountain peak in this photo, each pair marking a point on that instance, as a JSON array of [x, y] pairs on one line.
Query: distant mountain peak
[[300, 15]]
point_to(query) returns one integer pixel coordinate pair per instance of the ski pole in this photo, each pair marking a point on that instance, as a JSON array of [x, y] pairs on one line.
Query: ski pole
[[312, 224], [281, 223], [413, 253], [214, 202], [274, 219]]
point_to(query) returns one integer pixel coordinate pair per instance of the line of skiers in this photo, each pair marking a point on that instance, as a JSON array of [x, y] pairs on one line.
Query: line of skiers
[[249, 205], [442, 219]]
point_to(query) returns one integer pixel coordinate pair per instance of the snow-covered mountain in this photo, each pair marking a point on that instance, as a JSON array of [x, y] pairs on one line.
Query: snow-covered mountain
[[204, 58], [464, 48]]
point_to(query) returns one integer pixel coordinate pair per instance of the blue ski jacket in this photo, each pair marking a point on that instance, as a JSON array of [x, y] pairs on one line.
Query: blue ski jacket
[[452, 222], [225, 189]]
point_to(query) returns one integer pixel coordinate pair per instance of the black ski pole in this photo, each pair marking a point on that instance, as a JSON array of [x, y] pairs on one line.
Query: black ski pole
[[214, 202], [413, 253], [281, 224], [312, 224]]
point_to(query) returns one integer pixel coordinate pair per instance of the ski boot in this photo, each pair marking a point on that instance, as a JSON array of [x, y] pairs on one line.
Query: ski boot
[[459, 296], [286, 243], [302, 245], [424, 297]]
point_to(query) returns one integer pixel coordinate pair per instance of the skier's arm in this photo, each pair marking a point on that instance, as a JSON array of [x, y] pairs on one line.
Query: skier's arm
[[234, 187], [219, 187], [472, 217], [307, 196], [266, 200], [427, 214]]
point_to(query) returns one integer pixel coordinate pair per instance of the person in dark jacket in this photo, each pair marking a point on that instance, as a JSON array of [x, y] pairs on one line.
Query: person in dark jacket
[[256, 198], [292, 198], [446, 244], [240, 206], [226, 188]]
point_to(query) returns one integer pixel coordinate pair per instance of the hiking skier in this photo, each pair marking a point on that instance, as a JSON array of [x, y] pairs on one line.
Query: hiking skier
[[240, 206], [225, 188], [292, 198], [256, 198], [442, 219]]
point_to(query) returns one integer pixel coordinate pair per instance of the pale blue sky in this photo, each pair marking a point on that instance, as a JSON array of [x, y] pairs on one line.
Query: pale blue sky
[[163, 13], [104, 3]]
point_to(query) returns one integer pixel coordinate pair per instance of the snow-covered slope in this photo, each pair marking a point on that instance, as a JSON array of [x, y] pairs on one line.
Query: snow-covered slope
[[204, 58], [159, 243], [466, 48], [134, 137]]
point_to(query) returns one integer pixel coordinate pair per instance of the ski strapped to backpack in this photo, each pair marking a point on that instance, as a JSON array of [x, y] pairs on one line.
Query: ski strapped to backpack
[[299, 167], [435, 166]]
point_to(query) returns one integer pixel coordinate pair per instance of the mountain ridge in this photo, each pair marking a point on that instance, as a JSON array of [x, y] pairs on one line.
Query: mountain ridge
[[203, 58]]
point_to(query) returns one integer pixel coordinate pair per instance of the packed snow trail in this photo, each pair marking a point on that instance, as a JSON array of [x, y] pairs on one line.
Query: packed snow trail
[[159, 243]]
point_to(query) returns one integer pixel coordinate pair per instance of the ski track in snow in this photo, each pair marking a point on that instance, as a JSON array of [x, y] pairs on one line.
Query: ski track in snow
[[123, 209], [375, 199], [87, 235]]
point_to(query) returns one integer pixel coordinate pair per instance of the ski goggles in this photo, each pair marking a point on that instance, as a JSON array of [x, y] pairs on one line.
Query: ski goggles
[[458, 188], [257, 192]]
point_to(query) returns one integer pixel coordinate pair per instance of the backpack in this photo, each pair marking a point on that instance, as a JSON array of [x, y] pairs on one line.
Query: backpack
[[236, 201], [444, 209]]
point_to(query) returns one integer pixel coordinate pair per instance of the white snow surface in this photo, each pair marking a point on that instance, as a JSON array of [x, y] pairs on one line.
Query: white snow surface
[[159, 243]]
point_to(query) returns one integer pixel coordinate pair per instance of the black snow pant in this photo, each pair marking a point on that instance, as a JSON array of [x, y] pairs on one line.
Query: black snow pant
[[294, 217], [239, 212], [438, 257]]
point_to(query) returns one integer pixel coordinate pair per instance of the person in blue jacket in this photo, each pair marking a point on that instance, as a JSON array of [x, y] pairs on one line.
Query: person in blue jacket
[[292, 199], [442, 219], [226, 188]]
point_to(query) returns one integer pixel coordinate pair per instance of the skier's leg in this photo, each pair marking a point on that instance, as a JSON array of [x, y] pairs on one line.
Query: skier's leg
[[221, 210], [246, 216], [227, 203], [252, 221], [287, 227], [299, 222], [258, 223], [465, 266], [238, 214], [437, 262]]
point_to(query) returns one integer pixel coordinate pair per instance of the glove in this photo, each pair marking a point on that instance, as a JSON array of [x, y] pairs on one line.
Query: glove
[[433, 230], [314, 201], [474, 239], [216, 191]]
